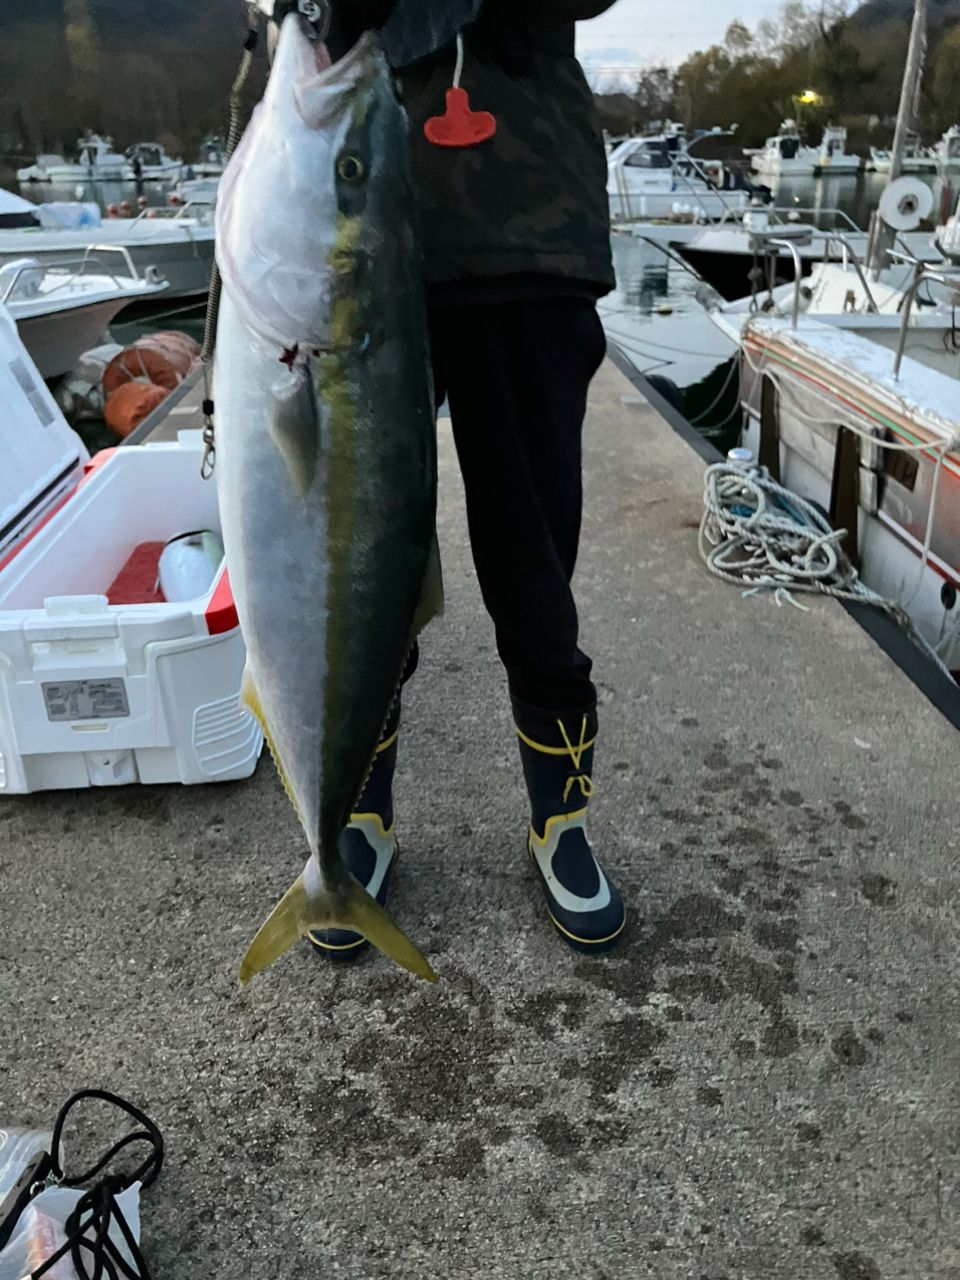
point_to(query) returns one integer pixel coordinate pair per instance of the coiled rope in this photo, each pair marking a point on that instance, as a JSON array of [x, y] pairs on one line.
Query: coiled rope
[[759, 535]]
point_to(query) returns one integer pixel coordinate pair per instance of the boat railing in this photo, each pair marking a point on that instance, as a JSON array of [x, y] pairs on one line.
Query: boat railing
[[154, 212], [73, 269], [683, 164], [924, 273], [830, 238]]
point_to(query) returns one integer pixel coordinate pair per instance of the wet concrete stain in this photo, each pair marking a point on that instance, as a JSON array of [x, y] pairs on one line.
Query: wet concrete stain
[[878, 889], [558, 1135], [856, 1266], [662, 1077], [849, 1049], [736, 935]]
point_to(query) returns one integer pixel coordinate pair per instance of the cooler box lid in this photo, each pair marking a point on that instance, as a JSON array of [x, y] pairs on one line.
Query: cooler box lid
[[41, 458]]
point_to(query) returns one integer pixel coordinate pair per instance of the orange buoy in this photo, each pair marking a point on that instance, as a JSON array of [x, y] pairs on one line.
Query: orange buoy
[[129, 404], [161, 358]]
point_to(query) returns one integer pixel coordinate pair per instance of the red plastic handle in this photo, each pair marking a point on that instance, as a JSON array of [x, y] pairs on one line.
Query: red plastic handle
[[459, 126]]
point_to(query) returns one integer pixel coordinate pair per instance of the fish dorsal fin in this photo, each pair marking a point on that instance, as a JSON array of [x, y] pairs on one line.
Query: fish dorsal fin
[[251, 700]]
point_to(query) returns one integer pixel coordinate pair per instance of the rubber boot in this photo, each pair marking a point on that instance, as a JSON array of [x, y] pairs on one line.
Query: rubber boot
[[368, 844], [556, 750]]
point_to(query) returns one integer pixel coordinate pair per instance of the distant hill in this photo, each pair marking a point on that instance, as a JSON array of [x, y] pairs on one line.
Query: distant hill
[[131, 68]]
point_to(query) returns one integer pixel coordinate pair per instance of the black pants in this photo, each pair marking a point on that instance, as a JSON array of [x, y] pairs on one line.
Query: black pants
[[516, 376]]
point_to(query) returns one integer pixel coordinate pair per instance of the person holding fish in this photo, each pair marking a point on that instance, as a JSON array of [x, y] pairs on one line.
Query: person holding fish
[[507, 173]]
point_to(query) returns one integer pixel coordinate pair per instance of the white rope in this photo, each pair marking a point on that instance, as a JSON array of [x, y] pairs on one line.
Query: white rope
[[759, 535]]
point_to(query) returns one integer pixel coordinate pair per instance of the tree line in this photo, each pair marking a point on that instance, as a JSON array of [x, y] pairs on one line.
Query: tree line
[[853, 63], [166, 75], [64, 69]]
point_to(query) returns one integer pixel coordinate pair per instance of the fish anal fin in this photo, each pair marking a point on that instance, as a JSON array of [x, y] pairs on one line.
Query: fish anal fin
[[431, 595], [251, 700]]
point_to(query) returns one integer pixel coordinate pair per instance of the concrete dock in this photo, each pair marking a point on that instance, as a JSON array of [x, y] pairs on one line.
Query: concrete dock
[[763, 1082]]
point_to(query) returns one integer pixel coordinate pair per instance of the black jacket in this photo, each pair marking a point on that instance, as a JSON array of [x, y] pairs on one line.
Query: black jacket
[[527, 210]]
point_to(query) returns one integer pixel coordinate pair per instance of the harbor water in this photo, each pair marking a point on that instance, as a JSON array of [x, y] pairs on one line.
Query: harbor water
[[656, 314]]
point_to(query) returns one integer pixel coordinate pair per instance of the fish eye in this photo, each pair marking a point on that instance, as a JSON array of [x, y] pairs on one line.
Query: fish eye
[[350, 168]]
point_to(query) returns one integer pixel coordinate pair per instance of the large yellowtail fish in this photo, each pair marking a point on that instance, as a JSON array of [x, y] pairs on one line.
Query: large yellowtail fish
[[326, 452]]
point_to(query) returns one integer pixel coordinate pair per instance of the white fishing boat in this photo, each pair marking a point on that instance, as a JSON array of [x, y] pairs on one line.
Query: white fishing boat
[[211, 163], [41, 169], [873, 438], [63, 310], [849, 383], [833, 156], [96, 162], [149, 162], [195, 191], [915, 159], [656, 177], [724, 255], [177, 242], [785, 154], [947, 150]]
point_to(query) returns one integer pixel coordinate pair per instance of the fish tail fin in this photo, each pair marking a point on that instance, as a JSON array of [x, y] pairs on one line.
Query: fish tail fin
[[365, 915], [297, 913]]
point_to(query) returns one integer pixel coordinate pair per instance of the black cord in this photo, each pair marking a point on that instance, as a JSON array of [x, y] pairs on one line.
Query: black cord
[[88, 1226]]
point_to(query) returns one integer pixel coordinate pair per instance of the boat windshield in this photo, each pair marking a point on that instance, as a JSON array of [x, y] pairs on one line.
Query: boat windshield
[[649, 155]]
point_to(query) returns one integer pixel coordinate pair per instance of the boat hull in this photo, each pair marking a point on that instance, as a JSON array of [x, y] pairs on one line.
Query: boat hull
[[894, 491], [56, 340]]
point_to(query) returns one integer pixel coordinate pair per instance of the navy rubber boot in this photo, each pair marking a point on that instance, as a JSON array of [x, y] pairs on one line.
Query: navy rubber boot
[[368, 844], [556, 750]]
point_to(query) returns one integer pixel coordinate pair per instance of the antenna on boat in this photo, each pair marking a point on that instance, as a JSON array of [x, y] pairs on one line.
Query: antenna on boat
[[882, 234]]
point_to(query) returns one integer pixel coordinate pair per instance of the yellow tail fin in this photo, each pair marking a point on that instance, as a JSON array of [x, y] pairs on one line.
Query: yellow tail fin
[[296, 914]]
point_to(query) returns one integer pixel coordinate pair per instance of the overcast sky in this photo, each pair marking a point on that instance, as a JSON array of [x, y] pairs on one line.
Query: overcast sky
[[645, 32]]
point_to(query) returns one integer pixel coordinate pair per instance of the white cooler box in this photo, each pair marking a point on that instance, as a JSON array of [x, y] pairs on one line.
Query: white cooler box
[[93, 693]]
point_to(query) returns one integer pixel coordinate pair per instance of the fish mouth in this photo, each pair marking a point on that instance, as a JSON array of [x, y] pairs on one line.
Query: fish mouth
[[353, 64], [320, 92]]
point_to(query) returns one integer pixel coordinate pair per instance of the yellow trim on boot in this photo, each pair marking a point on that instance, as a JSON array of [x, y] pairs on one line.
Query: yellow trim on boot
[[558, 820], [374, 819], [329, 946], [385, 746], [557, 751], [587, 942]]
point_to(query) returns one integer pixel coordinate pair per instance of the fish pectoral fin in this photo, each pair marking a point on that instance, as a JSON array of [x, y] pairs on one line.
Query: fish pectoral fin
[[297, 913], [431, 595], [295, 427]]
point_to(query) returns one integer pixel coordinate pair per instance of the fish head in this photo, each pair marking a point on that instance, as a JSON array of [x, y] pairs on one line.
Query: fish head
[[305, 205], [370, 190]]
